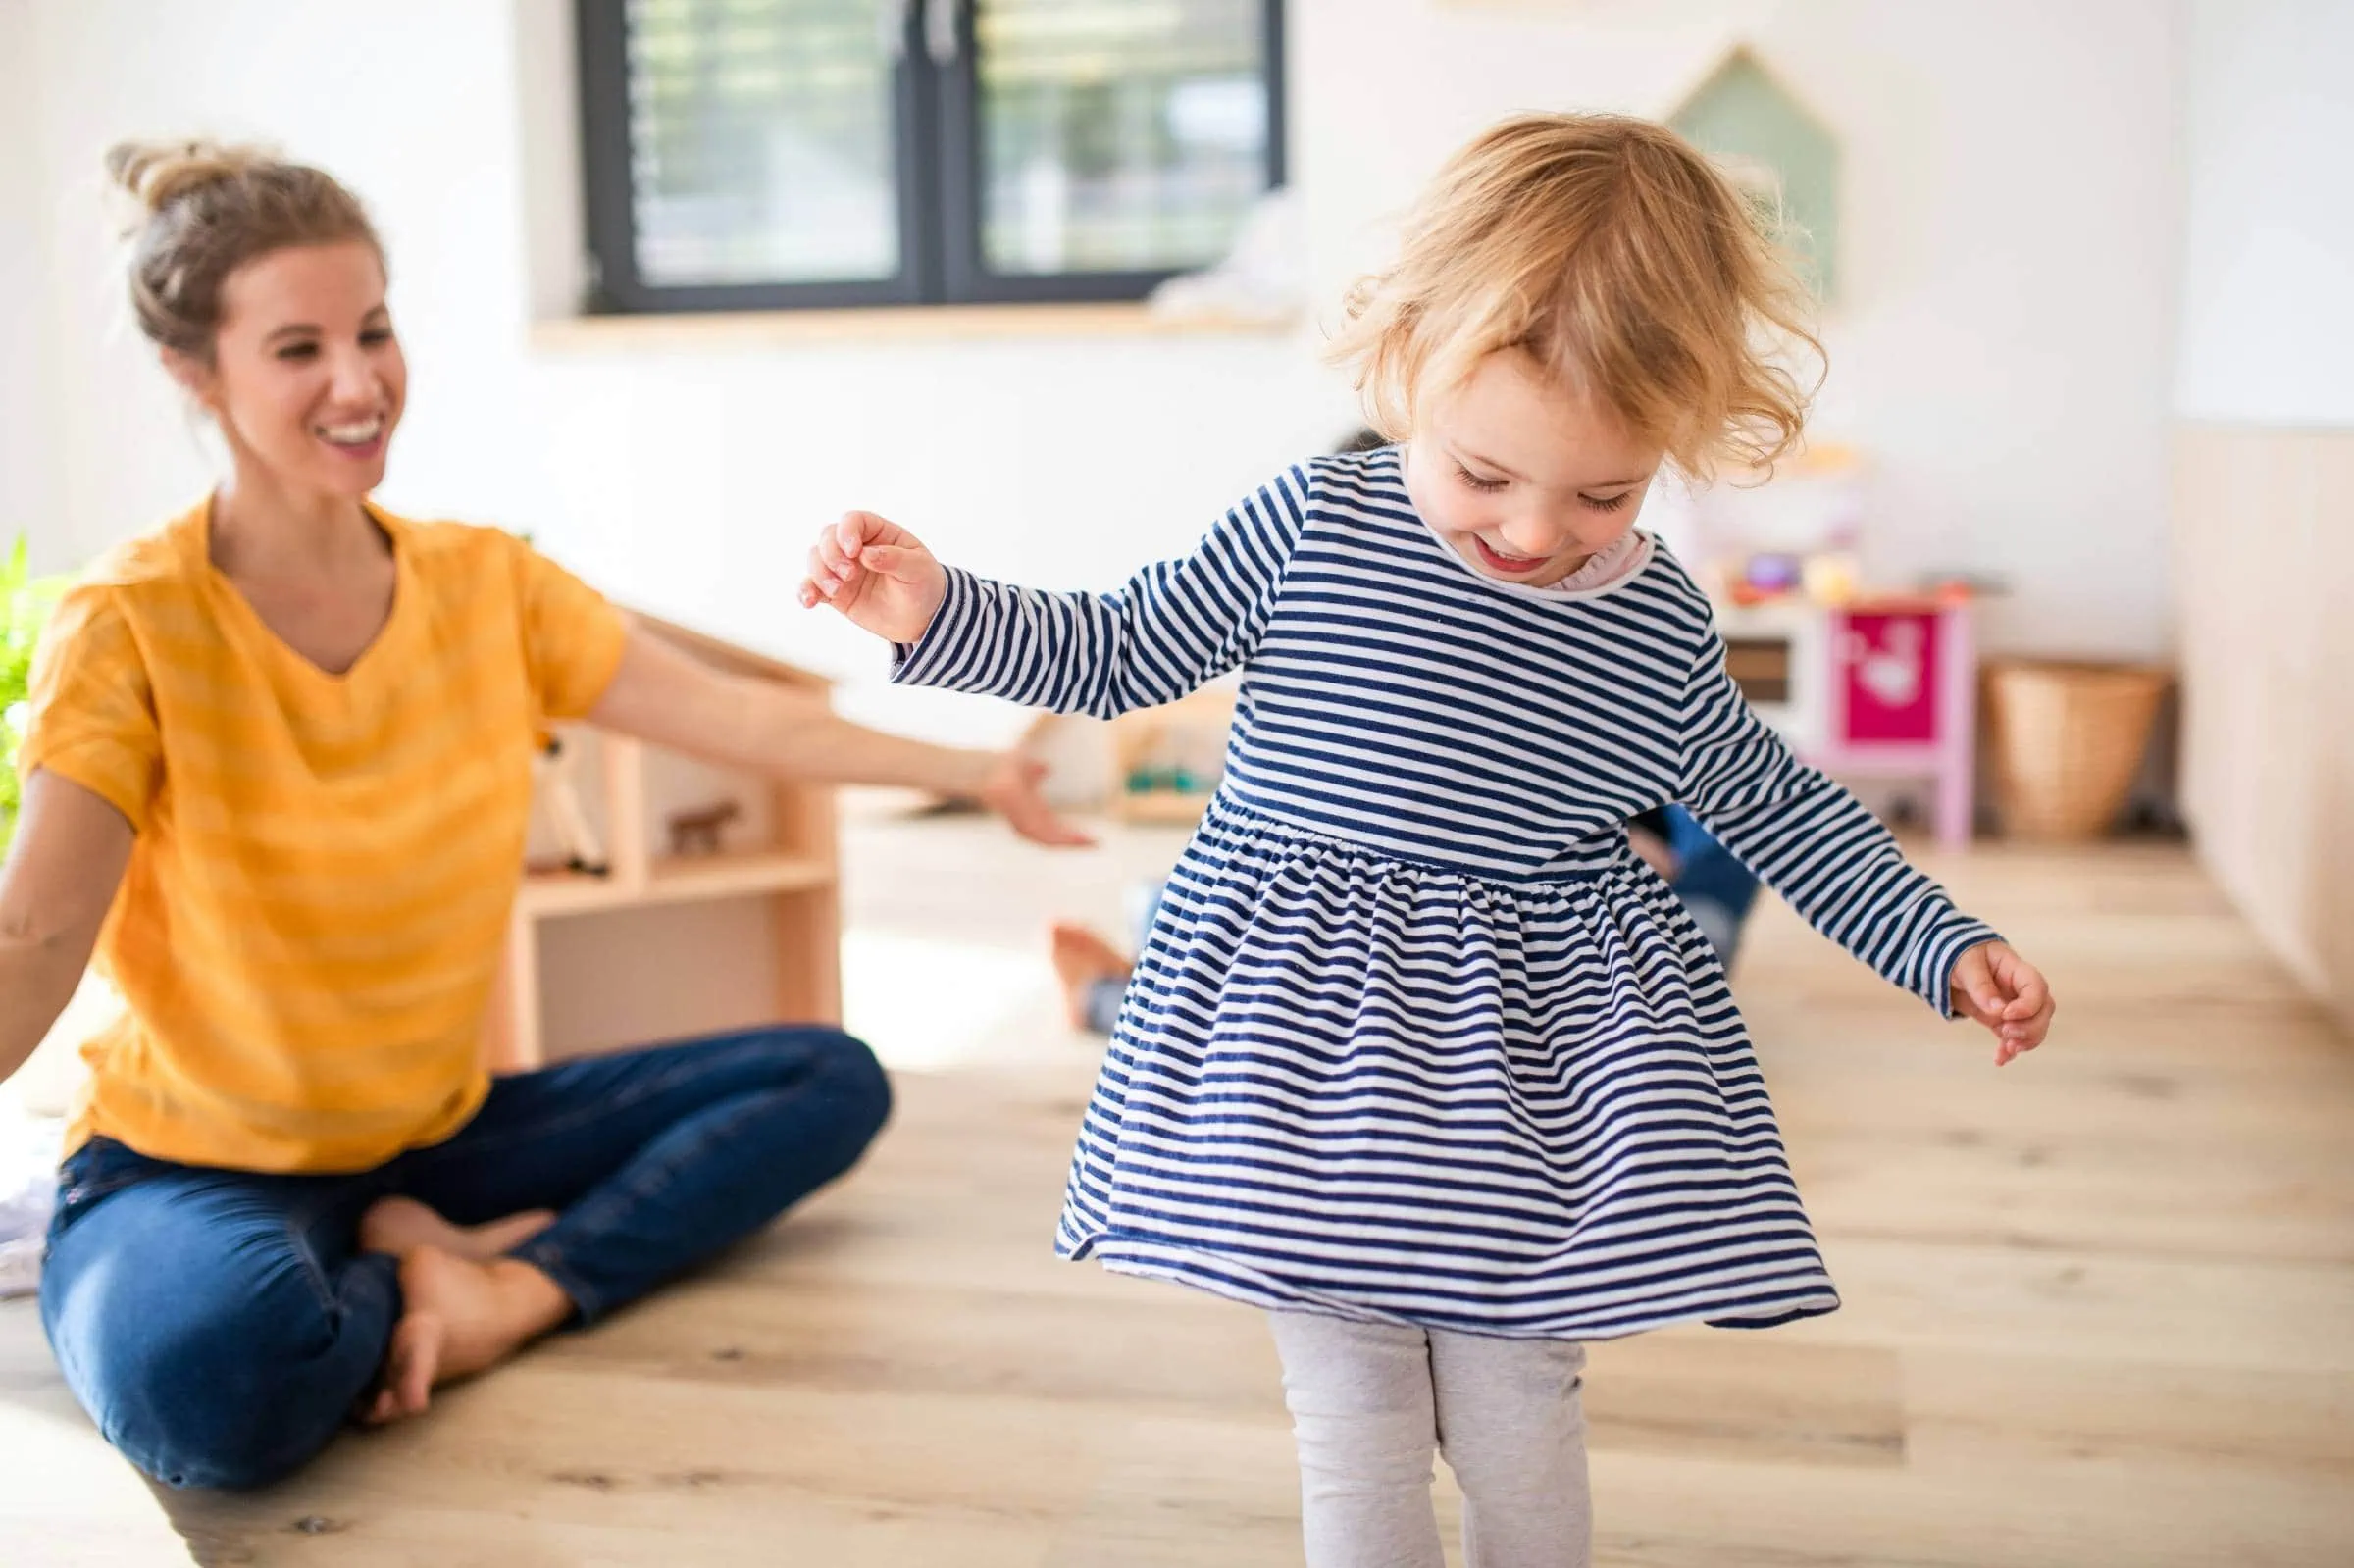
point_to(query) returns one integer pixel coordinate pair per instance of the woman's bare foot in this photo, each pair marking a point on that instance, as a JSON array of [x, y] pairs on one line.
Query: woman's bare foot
[[399, 1226], [460, 1316], [1081, 957], [1655, 852]]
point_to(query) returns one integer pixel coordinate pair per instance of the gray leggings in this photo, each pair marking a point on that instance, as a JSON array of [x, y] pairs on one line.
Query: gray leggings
[[1369, 1402]]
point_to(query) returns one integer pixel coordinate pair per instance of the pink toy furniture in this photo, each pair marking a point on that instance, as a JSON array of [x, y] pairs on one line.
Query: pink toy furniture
[[1883, 688]]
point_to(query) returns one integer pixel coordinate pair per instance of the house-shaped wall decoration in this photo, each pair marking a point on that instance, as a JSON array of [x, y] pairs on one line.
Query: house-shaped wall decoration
[[1779, 151]]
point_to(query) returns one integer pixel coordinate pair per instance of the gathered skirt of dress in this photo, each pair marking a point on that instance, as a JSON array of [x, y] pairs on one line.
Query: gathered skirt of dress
[[1391, 1091]]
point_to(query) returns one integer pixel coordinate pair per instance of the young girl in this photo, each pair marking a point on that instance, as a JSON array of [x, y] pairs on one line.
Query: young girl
[[1420, 1057]]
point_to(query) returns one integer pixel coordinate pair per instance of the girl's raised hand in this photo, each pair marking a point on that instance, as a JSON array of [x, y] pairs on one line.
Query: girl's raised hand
[[878, 574], [2005, 992]]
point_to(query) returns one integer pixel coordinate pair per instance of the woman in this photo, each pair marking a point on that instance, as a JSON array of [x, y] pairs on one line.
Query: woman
[[287, 740]]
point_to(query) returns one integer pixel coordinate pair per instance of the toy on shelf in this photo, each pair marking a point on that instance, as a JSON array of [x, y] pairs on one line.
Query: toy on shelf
[[556, 787], [1880, 686], [1166, 761], [1862, 684], [697, 833], [614, 941], [1798, 533]]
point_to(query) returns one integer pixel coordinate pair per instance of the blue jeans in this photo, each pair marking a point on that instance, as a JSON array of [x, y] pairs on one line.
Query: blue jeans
[[220, 1326], [1717, 889]]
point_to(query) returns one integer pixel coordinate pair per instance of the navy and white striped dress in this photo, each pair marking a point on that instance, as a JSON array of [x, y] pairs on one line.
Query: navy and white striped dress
[[1416, 1036]]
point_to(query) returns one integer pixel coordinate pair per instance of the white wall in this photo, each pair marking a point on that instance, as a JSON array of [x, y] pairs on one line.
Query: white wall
[[2011, 197], [2003, 348], [27, 468], [2267, 450], [2267, 299]]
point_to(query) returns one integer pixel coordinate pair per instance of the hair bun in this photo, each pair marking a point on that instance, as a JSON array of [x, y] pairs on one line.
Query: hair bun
[[157, 173], [205, 209]]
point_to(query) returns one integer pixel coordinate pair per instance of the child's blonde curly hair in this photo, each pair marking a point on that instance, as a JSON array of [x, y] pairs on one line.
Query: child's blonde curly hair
[[1612, 252]]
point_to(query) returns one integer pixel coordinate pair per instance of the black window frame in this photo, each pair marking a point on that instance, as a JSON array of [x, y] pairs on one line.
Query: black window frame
[[937, 171]]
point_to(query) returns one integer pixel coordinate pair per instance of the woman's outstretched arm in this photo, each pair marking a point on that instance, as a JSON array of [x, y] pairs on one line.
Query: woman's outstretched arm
[[664, 696]]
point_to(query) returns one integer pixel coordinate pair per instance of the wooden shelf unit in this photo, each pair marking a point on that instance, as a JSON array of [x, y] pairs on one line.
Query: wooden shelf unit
[[1192, 730], [796, 872], [728, 875]]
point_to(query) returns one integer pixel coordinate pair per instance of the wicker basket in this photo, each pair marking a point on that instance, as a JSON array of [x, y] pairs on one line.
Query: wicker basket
[[2068, 743]]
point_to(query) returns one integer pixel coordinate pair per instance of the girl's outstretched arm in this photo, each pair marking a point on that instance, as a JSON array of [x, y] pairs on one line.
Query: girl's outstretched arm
[[1172, 628], [1818, 848]]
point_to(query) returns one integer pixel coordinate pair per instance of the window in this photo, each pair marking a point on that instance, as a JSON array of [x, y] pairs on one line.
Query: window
[[775, 153]]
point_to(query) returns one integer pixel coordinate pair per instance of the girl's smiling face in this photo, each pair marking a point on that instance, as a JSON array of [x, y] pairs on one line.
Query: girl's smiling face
[[1523, 479]]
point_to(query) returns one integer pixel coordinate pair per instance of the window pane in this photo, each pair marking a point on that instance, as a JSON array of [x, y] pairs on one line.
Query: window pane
[[760, 143], [1118, 135]]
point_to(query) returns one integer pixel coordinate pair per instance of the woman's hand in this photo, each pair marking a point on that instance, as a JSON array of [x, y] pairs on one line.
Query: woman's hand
[[878, 574], [1010, 790], [2005, 992]]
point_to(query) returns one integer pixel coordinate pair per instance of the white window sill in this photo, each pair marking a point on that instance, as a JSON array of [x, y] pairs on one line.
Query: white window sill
[[900, 323]]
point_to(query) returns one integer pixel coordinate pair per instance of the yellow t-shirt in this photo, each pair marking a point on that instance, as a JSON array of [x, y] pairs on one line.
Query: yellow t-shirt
[[317, 896]]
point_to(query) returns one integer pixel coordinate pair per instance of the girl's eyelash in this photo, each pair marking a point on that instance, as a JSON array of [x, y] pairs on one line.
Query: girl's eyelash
[[1476, 482]]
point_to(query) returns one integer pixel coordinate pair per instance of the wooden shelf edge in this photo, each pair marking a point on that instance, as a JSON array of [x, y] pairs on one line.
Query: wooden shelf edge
[[674, 881]]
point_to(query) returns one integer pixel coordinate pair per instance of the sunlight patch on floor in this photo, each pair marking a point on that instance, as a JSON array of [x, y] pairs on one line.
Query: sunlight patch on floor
[[89, 1506]]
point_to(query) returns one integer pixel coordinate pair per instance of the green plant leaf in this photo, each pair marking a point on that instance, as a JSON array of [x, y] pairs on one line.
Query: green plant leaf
[[25, 605]]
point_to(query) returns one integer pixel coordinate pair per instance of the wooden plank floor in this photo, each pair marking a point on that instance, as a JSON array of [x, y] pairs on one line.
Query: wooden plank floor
[[2100, 1305]]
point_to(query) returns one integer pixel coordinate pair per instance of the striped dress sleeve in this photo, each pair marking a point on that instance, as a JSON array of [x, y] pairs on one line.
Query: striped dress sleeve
[[1815, 844], [1174, 626]]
